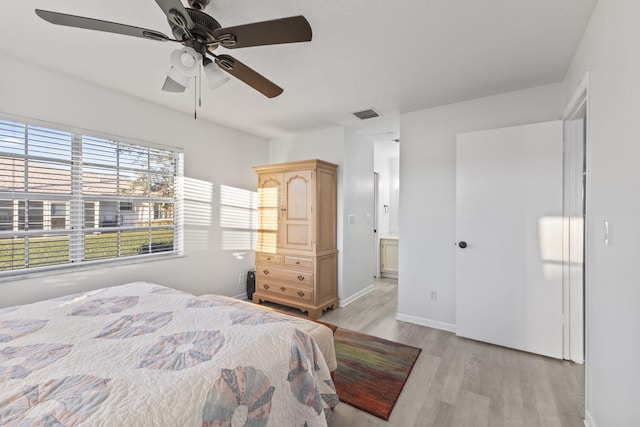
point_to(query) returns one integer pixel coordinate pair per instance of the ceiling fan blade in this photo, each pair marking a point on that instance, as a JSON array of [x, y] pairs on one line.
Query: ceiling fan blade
[[98, 25], [176, 12], [285, 30], [249, 76]]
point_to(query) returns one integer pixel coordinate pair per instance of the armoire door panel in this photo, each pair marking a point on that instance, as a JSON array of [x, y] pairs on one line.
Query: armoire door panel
[[297, 235], [298, 191], [270, 196]]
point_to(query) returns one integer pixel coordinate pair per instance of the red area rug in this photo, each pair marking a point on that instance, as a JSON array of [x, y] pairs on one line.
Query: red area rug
[[371, 371]]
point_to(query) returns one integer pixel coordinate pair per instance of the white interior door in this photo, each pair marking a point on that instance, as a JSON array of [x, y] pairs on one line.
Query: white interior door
[[509, 214]]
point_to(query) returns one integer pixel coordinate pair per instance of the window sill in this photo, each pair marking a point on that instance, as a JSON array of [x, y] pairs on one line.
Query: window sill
[[15, 275]]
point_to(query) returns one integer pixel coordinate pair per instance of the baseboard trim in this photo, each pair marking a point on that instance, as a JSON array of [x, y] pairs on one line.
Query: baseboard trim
[[588, 420], [449, 327], [242, 296], [346, 301]]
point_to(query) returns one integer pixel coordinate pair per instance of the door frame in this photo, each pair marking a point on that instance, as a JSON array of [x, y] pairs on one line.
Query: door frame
[[574, 109], [376, 244]]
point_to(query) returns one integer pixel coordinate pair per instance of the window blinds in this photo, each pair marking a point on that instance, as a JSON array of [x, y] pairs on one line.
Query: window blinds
[[67, 198]]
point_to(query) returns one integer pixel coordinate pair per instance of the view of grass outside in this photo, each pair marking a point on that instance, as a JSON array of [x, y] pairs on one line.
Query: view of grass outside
[[52, 250]]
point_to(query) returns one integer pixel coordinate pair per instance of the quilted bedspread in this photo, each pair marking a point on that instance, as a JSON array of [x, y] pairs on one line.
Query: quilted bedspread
[[145, 355]]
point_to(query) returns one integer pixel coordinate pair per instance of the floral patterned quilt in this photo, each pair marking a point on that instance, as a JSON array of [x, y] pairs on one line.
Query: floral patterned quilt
[[253, 313], [145, 355]]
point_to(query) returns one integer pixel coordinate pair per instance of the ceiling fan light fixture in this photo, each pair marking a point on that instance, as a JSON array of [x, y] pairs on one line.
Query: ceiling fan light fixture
[[186, 61], [179, 78], [215, 75], [171, 85]]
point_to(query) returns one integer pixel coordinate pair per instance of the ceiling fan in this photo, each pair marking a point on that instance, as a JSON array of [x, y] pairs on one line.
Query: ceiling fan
[[200, 34]]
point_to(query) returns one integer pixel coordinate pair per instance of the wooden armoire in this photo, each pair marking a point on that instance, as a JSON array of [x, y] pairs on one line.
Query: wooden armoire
[[296, 252]]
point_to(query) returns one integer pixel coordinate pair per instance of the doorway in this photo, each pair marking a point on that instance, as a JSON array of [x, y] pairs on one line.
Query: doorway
[[386, 182]]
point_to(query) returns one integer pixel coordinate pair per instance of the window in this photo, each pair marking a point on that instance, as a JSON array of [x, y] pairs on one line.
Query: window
[[6, 215], [67, 198], [58, 215], [31, 215], [89, 215]]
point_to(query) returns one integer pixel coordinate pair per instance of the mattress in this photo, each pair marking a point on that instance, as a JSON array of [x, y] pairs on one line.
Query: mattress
[[145, 355]]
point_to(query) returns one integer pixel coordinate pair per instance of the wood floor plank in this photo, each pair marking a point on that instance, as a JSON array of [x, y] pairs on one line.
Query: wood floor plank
[[472, 410], [407, 409], [435, 413], [511, 393]]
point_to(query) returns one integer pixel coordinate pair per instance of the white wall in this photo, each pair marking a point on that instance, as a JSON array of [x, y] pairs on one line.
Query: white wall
[[428, 183], [214, 156], [610, 49], [352, 153], [325, 144]]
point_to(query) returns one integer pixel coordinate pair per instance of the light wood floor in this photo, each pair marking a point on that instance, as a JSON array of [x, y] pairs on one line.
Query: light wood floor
[[459, 382]]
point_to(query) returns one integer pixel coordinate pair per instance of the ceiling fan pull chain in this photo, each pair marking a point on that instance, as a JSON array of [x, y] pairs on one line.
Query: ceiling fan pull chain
[[200, 85], [195, 100]]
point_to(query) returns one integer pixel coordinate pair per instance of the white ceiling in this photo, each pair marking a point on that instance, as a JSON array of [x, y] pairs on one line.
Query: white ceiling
[[393, 56]]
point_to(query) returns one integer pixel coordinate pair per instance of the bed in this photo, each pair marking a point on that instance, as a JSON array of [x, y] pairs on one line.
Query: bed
[[145, 355]]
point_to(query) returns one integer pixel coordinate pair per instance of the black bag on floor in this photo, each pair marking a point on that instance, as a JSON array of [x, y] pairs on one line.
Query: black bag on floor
[[251, 283]]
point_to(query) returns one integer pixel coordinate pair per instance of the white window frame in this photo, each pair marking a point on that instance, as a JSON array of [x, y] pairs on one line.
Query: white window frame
[[76, 200]]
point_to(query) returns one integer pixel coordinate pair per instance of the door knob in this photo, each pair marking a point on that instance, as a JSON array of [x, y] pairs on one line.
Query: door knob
[[462, 244]]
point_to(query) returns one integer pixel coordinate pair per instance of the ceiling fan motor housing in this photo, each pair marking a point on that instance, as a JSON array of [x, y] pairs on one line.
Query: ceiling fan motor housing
[[204, 26]]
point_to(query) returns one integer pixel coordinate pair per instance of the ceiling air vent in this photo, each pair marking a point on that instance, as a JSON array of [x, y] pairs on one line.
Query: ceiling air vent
[[366, 114]]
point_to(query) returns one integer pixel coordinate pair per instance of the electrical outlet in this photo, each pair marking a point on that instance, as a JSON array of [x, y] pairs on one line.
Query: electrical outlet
[[241, 278], [433, 294]]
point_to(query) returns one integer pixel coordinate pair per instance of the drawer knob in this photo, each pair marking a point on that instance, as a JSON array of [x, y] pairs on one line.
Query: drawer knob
[[300, 277], [300, 294], [265, 271], [268, 258], [282, 288], [266, 286], [297, 262]]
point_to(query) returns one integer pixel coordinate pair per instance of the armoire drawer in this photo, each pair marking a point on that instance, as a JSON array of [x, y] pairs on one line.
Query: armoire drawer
[[298, 262], [269, 259], [285, 290], [280, 275]]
